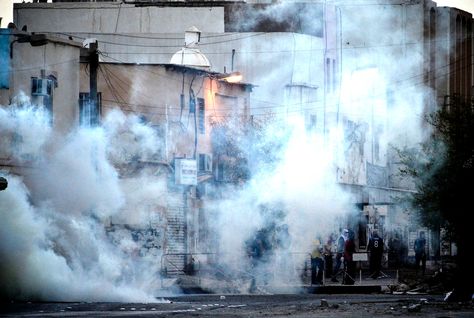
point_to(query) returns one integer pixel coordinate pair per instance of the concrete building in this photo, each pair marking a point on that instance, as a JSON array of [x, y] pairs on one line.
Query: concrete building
[[180, 102], [111, 17], [334, 64], [454, 30], [382, 69], [296, 53], [432, 48], [44, 67]]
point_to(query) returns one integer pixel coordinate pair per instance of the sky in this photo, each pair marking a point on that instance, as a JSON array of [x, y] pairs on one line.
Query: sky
[[6, 7], [466, 5]]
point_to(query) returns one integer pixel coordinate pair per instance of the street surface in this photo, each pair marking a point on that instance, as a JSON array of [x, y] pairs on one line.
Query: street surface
[[305, 305]]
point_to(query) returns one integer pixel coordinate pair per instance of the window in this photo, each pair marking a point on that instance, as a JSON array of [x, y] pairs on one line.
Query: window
[[5, 59], [328, 75], [89, 115], [201, 115], [205, 163], [44, 87], [41, 86], [202, 159]]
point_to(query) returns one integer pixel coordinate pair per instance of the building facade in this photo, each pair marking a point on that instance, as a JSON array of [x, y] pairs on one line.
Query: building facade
[[330, 65], [180, 104]]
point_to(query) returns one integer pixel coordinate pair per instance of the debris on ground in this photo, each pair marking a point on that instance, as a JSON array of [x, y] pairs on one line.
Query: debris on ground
[[423, 301], [412, 282], [446, 298], [414, 308]]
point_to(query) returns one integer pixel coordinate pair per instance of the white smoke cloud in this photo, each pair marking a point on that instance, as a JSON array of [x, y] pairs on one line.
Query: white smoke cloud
[[381, 102], [60, 239], [54, 244], [288, 203], [25, 130]]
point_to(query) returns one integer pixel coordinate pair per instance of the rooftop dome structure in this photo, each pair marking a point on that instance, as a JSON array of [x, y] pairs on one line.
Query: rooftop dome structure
[[190, 55]]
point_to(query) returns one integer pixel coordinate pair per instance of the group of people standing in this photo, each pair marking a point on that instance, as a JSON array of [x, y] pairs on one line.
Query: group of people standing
[[345, 249], [322, 259]]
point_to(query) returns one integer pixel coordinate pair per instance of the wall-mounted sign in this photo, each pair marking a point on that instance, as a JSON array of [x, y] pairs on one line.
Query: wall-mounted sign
[[185, 171]]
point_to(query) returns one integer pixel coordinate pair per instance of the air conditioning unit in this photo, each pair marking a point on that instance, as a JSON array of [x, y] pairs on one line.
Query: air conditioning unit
[[41, 86], [205, 162]]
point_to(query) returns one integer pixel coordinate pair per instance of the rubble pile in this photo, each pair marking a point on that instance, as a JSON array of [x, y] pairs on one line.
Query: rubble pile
[[412, 282]]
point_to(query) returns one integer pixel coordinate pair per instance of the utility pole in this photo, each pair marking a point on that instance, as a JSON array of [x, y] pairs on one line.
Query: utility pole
[[91, 109], [93, 65]]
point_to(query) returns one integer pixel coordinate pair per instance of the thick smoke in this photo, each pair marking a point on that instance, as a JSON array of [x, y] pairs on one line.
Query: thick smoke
[[54, 240], [296, 16], [53, 243], [265, 229], [380, 103]]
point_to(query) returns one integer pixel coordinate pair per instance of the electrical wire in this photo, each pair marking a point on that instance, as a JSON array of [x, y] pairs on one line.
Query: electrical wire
[[75, 34], [38, 67], [277, 105], [107, 73], [165, 46], [348, 48], [395, 85], [118, 98], [398, 81]]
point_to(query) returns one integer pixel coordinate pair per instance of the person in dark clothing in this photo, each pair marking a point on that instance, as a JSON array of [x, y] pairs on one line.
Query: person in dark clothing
[[258, 248], [339, 253], [375, 249], [420, 252], [349, 264], [394, 251]]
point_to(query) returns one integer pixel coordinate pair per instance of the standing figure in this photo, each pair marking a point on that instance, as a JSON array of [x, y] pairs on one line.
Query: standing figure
[[339, 253], [317, 263], [349, 264], [420, 253], [328, 256], [258, 249], [375, 249], [394, 251]]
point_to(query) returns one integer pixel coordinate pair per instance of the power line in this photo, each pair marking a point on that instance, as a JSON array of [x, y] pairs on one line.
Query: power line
[[274, 105], [119, 99], [167, 46], [394, 84], [352, 47], [74, 34], [38, 67]]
